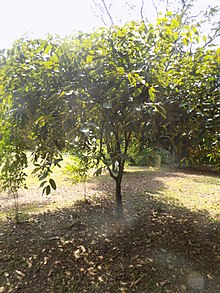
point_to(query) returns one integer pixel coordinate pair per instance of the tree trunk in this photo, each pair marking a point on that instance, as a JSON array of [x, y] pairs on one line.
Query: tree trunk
[[119, 206], [118, 194]]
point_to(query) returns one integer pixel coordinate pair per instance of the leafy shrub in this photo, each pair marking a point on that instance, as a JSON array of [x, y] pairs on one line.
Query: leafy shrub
[[146, 158], [76, 170], [166, 157], [151, 157]]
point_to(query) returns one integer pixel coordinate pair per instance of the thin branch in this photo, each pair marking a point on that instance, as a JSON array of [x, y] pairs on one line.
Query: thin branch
[[127, 139], [109, 169], [94, 7], [142, 14], [101, 139], [195, 16], [211, 39], [108, 12], [142, 8], [155, 7], [167, 5], [111, 173]]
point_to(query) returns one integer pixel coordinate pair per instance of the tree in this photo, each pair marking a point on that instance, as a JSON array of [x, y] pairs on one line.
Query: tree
[[192, 120], [30, 120], [102, 92], [125, 85], [118, 99]]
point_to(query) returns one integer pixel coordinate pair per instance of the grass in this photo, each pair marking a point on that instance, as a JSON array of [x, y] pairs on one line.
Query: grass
[[31, 201], [196, 192]]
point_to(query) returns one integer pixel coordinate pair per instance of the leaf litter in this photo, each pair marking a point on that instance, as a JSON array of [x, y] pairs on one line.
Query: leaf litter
[[165, 244]]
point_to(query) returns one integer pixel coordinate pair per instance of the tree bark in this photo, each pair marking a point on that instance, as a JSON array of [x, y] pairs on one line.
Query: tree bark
[[118, 194], [118, 197]]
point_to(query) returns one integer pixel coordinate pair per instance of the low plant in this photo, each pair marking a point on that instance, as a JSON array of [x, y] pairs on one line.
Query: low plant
[[78, 169]]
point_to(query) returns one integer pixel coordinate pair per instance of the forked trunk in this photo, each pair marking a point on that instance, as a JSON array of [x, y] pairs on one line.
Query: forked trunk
[[118, 195]]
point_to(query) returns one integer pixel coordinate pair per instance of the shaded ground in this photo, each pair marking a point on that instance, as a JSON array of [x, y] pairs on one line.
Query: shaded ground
[[163, 246]]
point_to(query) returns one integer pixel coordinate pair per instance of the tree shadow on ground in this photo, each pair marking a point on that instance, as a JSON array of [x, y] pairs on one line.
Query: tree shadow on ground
[[162, 247], [201, 170]]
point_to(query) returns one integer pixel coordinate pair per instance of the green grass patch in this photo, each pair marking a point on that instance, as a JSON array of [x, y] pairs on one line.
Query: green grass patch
[[195, 192]]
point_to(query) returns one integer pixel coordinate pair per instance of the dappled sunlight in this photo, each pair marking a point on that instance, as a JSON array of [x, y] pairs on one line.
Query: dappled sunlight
[[196, 281], [162, 245], [196, 192], [137, 93], [64, 196], [132, 169]]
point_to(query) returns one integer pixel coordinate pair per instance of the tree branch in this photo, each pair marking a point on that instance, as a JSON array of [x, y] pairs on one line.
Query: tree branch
[[127, 139], [108, 12], [155, 7], [142, 14], [167, 5], [96, 6], [142, 8], [211, 39]]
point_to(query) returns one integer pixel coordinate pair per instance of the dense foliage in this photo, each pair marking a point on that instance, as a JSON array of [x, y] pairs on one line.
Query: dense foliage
[[105, 93]]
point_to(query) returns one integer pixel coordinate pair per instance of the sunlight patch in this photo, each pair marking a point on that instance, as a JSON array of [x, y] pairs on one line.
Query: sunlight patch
[[196, 281]]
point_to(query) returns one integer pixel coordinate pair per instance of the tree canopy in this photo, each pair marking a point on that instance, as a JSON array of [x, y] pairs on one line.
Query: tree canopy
[[106, 91]]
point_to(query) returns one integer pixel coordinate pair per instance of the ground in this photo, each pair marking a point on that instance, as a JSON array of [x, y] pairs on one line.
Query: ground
[[168, 243]]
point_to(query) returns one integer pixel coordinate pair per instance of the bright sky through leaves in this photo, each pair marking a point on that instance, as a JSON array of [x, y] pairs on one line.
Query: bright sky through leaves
[[63, 17]]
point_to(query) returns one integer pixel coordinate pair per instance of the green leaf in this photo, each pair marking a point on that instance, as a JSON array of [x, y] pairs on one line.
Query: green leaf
[[89, 59], [43, 183], [218, 51], [169, 13], [151, 92], [57, 161], [47, 50], [98, 172], [160, 109], [43, 176], [122, 33], [137, 92], [120, 70], [131, 79], [93, 125], [86, 44], [175, 23], [53, 184], [48, 190], [35, 170], [185, 41], [204, 38]]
